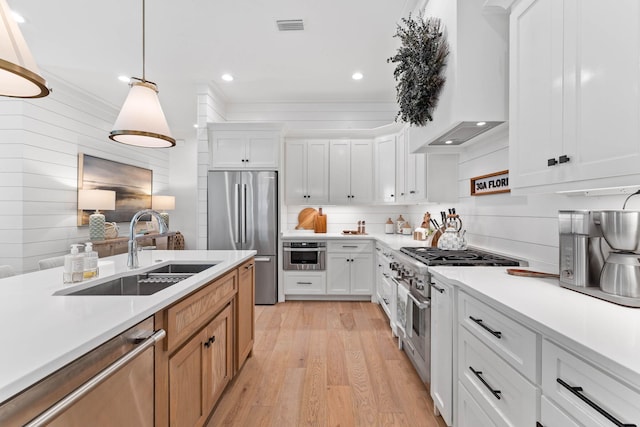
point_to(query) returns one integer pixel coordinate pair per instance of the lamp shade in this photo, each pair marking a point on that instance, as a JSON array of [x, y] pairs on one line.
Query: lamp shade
[[141, 121], [163, 203], [97, 199], [19, 74]]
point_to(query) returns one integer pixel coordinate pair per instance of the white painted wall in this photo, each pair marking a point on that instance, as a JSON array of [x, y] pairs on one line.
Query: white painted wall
[[39, 144]]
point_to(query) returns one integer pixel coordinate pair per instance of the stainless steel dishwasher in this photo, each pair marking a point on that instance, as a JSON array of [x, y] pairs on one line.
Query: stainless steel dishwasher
[[112, 385]]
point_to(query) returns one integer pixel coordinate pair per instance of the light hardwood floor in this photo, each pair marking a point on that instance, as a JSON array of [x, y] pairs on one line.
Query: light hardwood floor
[[325, 364]]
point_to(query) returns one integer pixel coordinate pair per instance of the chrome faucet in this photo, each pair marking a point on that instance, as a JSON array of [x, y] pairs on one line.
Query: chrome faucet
[[132, 259]]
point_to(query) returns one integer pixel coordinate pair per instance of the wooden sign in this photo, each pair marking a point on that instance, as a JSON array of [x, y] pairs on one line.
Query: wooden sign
[[493, 183]]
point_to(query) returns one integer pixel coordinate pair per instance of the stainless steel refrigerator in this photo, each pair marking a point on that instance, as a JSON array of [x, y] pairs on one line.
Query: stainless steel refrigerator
[[243, 214]]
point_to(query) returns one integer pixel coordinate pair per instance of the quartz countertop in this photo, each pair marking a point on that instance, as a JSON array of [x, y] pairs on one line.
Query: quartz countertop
[[41, 332], [606, 333]]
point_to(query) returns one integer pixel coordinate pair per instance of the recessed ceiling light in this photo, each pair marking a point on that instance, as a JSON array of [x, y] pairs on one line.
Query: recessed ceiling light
[[227, 77], [195, 125], [125, 79], [481, 123], [17, 17], [357, 76], [448, 142]]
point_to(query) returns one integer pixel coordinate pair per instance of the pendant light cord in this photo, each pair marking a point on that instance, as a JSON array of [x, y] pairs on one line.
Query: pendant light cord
[[143, 42]]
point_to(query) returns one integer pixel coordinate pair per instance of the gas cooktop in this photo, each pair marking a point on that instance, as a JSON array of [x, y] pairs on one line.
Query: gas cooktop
[[467, 257]]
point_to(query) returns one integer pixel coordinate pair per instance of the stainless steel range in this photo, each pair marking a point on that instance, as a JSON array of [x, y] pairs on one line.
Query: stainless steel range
[[411, 271]]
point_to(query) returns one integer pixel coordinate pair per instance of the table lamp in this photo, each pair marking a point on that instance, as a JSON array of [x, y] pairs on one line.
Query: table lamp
[[163, 204], [96, 199]]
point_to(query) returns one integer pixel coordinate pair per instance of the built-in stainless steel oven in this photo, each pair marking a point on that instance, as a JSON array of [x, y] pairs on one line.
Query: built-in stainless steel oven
[[303, 256]]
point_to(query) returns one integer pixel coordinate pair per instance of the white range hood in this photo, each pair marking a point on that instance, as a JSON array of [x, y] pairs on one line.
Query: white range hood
[[474, 98]]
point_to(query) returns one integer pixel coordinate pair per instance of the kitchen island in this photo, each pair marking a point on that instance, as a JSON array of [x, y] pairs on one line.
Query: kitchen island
[[43, 331]]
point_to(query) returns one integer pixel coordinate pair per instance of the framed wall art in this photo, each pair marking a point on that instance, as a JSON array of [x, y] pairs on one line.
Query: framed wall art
[[132, 184]]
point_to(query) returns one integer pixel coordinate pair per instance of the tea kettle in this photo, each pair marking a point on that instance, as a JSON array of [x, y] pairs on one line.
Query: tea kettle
[[452, 239]]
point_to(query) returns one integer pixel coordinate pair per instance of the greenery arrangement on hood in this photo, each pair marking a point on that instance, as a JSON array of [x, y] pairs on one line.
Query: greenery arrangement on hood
[[419, 71]]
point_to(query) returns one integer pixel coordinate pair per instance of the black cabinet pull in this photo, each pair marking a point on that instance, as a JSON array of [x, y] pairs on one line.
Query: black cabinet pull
[[207, 344], [441, 290], [564, 158], [552, 162], [496, 334], [393, 195], [538, 424], [212, 339], [412, 192], [478, 374], [577, 392]]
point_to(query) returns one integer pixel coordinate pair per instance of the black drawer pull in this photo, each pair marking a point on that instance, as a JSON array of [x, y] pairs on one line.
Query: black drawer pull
[[496, 334], [441, 290], [577, 392], [552, 162], [478, 374], [564, 159]]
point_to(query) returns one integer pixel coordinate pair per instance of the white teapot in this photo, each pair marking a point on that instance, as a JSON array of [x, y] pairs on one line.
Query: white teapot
[[451, 240]]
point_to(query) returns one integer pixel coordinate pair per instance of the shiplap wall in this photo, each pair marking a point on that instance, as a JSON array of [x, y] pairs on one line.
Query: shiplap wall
[[39, 144]]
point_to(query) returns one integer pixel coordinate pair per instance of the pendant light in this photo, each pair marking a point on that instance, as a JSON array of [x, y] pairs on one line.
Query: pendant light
[[141, 121], [19, 74]]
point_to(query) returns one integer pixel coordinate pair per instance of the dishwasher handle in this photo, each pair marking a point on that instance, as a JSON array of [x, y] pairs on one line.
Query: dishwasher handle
[[50, 414]]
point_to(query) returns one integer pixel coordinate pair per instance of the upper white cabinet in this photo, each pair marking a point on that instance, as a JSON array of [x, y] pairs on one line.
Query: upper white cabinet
[[411, 180], [307, 171], [385, 176], [351, 171], [574, 97], [244, 146]]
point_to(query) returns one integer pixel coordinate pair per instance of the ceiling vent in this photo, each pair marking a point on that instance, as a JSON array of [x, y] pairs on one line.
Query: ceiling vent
[[290, 25]]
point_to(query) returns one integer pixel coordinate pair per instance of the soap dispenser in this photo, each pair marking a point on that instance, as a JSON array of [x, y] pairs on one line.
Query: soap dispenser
[[90, 261], [73, 266]]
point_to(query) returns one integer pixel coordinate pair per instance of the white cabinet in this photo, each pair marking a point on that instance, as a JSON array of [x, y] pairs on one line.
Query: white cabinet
[[351, 172], [470, 414], [243, 146], [305, 283], [307, 171], [441, 387], [552, 416], [573, 117], [385, 175], [411, 180], [584, 391], [350, 268]]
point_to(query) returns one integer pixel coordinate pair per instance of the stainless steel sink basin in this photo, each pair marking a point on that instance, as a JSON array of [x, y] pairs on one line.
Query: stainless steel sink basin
[[147, 283]]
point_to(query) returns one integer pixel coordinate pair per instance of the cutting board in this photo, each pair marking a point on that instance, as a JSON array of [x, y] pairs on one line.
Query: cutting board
[[306, 219]]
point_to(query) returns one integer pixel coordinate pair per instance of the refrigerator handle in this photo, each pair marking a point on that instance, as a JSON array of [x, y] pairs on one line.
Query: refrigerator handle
[[244, 213], [236, 231]]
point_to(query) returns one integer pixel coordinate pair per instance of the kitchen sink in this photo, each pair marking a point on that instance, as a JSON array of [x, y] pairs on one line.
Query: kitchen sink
[[146, 283]]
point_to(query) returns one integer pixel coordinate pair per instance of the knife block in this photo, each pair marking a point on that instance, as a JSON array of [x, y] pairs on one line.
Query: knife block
[[320, 224]]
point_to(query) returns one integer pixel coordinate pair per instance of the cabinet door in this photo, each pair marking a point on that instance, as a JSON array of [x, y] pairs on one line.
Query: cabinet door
[[361, 172], [340, 172], [317, 177], [245, 303], [416, 180], [186, 392], [361, 274], [217, 363], [401, 168], [338, 274], [296, 172], [228, 150], [535, 91], [470, 414], [262, 150], [442, 349], [602, 102], [386, 170]]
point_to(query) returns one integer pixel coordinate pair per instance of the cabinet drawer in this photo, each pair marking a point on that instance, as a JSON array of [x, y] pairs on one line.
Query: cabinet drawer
[[185, 317], [350, 246], [470, 414], [601, 395], [305, 283], [517, 344], [505, 395], [551, 416]]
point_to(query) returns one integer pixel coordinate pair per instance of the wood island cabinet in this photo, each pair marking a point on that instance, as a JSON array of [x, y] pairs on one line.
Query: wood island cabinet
[[209, 335]]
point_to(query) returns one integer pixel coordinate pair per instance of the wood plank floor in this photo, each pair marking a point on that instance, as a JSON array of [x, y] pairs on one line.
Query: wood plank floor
[[325, 364]]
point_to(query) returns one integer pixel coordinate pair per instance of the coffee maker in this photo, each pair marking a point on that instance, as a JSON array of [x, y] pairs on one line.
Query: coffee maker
[[595, 254]]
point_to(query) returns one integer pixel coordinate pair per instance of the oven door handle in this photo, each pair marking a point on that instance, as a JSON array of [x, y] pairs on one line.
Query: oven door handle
[[287, 249], [420, 304]]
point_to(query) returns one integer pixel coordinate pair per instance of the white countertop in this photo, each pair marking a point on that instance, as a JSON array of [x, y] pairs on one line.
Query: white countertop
[[599, 330], [42, 332], [393, 241]]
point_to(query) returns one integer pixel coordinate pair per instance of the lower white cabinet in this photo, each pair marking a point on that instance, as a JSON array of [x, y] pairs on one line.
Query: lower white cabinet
[[441, 387], [350, 268], [585, 392], [305, 283]]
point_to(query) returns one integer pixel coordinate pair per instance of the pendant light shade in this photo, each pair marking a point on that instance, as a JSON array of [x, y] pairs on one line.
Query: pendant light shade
[[19, 74], [141, 121]]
